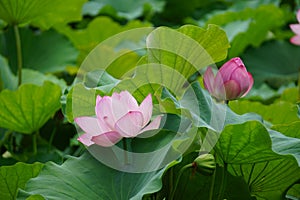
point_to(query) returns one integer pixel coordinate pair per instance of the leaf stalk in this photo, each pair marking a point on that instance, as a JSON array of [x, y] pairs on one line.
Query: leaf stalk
[[19, 53]]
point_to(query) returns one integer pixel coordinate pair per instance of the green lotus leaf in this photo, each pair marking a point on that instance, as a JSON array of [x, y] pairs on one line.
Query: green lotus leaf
[[248, 27], [42, 14], [256, 154], [99, 29], [16, 176], [270, 63], [87, 178], [46, 51], [7, 79], [130, 9], [280, 112], [28, 109], [167, 60]]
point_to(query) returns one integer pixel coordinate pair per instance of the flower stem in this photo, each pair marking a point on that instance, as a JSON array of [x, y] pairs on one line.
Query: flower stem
[[212, 185], [171, 180], [178, 178], [19, 53], [34, 142], [5, 138], [223, 181], [125, 151], [51, 138]]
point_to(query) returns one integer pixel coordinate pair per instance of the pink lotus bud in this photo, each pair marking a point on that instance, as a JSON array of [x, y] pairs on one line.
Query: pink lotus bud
[[296, 29], [117, 116], [231, 82]]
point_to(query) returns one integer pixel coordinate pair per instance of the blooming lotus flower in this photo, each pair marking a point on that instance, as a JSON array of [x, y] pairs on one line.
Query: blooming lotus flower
[[231, 82], [296, 29], [117, 116]]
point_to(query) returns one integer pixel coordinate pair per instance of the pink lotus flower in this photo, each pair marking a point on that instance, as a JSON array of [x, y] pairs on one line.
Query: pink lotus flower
[[296, 29], [231, 82], [117, 116]]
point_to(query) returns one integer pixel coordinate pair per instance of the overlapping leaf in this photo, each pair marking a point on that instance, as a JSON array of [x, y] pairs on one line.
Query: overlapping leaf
[[7, 79], [167, 60]]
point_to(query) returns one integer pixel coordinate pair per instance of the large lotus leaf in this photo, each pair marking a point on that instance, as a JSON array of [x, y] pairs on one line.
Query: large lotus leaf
[[196, 47], [127, 9], [42, 14], [167, 60], [269, 179], [236, 144], [97, 31], [280, 112], [87, 178], [16, 176], [275, 62], [248, 27], [248, 149], [46, 52], [28, 108]]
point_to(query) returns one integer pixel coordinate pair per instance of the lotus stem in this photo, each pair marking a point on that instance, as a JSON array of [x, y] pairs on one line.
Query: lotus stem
[[34, 142], [5, 138], [211, 190], [178, 178], [223, 181], [19, 53]]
